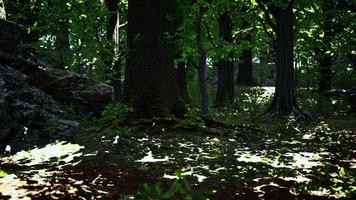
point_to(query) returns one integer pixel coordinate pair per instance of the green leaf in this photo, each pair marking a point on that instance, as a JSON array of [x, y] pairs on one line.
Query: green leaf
[[342, 172], [176, 186], [3, 174]]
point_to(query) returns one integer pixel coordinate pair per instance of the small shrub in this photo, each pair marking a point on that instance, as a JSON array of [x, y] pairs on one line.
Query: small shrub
[[114, 112], [179, 188], [340, 183], [192, 119], [49, 128]]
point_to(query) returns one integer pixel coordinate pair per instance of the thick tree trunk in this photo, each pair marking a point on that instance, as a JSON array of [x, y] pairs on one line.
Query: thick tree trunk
[[284, 101], [204, 100], [181, 78], [150, 87], [245, 76], [225, 91]]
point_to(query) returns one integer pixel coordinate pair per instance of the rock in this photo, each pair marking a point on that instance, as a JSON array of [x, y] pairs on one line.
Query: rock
[[28, 115], [86, 96], [11, 36]]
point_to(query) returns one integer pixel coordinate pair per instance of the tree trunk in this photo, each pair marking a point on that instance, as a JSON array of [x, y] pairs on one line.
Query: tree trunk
[[284, 101], [116, 83], [325, 74], [352, 58], [204, 101], [113, 22], [225, 91], [244, 76], [113, 7], [62, 43], [324, 58], [150, 87], [181, 78]]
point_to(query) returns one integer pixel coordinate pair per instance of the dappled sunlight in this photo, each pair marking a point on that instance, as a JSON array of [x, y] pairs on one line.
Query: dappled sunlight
[[36, 168], [149, 158], [60, 151]]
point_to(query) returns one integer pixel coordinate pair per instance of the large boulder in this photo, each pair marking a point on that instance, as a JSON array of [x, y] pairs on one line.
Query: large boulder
[[11, 37], [86, 96], [28, 115], [32, 96]]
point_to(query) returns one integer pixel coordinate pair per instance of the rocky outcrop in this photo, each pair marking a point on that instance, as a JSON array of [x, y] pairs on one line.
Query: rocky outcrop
[[27, 113], [11, 36], [86, 96], [32, 96]]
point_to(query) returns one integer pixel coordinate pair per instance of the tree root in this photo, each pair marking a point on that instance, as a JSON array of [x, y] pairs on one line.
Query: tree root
[[298, 113]]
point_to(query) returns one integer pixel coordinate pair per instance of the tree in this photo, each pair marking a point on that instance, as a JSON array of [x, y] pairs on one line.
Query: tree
[[181, 78], [225, 90], [323, 52], [245, 76], [284, 100], [2, 10], [114, 24], [246, 25], [204, 101], [150, 87]]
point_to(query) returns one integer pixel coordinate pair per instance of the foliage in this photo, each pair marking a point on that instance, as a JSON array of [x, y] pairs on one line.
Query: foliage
[[320, 104], [248, 105], [49, 128], [192, 119], [340, 182], [2, 173], [116, 112], [179, 188]]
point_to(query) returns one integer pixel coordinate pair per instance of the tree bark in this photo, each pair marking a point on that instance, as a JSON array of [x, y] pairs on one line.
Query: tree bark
[[150, 87], [325, 73], [325, 58], [204, 100], [181, 78], [244, 75], [284, 100], [113, 8], [62, 41], [352, 58], [225, 91]]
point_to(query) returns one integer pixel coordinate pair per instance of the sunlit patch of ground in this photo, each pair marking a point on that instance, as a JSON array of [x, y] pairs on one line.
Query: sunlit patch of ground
[[239, 166]]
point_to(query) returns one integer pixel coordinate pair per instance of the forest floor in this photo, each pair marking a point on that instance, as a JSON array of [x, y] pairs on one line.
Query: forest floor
[[284, 161]]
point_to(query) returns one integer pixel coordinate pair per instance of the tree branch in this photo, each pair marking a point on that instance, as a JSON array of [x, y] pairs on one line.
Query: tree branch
[[267, 15]]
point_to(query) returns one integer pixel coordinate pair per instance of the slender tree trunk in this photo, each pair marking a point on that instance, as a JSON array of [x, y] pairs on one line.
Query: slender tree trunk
[[113, 23], [150, 87], [181, 78], [2, 10], [225, 91], [116, 83], [284, 101], [204, 100], [62, 43], [352, 58], [325, 59], [325, 73]]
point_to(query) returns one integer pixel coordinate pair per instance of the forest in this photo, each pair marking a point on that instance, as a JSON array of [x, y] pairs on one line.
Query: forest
[[178, 99]]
